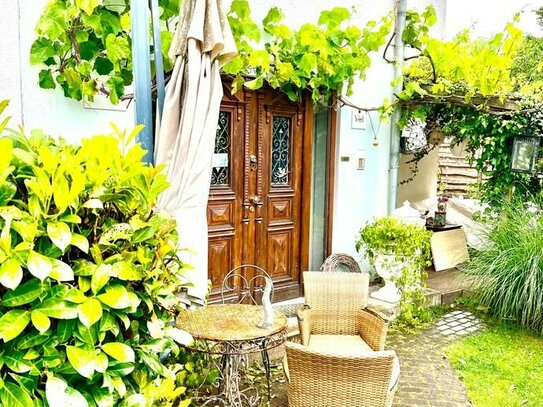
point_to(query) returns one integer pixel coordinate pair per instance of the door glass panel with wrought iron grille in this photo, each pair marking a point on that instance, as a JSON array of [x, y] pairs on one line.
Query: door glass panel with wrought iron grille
[[220, 175], [280, 161]]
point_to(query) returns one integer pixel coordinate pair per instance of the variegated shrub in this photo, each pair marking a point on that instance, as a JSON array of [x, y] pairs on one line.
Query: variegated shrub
[[88, 273]]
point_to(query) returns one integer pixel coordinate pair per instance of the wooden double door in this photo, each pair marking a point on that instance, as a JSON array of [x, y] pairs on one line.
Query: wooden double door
[[255, 201]]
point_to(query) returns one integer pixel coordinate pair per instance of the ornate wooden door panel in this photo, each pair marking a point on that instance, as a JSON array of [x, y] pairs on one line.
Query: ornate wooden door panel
[[224, 206], [280, 141], [255, 196]]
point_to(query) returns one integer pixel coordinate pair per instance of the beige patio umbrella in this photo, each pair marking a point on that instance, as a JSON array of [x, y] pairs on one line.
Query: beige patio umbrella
[[185, 137]]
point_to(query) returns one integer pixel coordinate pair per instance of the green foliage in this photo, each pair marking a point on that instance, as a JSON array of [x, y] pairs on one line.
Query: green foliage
[[320, 58], [463, 66], [408, 241], [390, 235], [88, 273], [490, 140], [507, 274], [466, 82], [84, 46], [527, 69], [500, 366]]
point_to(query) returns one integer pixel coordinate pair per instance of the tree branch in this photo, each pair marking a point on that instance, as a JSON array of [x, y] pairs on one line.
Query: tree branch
[[387, 47]]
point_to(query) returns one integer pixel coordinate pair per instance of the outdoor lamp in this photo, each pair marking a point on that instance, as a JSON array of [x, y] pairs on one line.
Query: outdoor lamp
[[525, 154]]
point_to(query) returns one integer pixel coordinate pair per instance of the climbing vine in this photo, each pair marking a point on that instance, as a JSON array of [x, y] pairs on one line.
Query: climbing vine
[[319, 57], [464, 67], [84, 46], [483, 92]]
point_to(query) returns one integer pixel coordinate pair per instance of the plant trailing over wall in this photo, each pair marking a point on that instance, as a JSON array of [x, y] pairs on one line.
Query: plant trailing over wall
[[88, 273], [460, 69], [490, 143], [484, 92], [320, 58], [390, 236], [507, 274], [85, 47]]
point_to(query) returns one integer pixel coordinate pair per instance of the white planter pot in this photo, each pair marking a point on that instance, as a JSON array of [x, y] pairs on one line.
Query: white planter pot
[[389, 267]]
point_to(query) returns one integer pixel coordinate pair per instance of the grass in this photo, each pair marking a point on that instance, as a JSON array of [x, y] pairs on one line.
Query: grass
[[507, 274], [501, 366]]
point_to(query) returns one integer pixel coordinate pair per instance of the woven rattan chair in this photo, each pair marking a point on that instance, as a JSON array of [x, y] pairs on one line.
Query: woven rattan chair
[[319, 379], [334, 315]]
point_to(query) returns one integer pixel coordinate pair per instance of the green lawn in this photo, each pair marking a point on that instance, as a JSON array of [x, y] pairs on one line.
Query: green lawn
[[502, 366]]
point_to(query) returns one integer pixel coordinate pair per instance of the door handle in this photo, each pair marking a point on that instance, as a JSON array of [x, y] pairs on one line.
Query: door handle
[[253, 162], [255, 199]]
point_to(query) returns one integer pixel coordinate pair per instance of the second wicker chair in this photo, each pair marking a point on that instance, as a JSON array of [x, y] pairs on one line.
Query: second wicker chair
[[335, 316], [342, 352]]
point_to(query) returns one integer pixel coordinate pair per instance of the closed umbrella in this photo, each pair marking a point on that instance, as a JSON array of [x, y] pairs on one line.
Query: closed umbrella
[[185, 137]]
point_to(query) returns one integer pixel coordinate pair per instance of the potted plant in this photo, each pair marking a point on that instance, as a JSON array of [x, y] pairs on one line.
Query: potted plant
[[399, 251]]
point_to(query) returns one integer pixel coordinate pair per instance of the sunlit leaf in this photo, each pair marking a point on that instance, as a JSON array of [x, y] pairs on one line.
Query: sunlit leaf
[[90, 312], [40, 321], [82, 360], [59, 393], [13, 395], [39, 265], [60, 234], [13, 323], [115, 297], [119, 351], [11, 273]]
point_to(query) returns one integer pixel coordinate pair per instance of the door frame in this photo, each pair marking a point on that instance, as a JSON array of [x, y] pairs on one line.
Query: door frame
[[239, 104], [307, 172]]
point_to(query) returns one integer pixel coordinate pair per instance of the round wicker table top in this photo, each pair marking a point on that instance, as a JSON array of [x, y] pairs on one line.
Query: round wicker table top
[[229, 322]]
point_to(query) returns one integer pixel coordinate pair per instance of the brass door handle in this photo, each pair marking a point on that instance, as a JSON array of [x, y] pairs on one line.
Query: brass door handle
[[255, 199]]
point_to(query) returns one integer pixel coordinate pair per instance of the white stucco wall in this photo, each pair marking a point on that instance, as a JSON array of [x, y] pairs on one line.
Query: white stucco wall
[[32, 106]]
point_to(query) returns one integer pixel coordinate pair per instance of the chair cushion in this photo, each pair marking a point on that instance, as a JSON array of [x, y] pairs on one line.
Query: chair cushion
[[349, 345], [339, 344]]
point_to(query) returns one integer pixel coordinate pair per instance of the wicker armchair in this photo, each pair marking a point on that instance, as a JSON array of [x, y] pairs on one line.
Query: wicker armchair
[[319, 379], [334, 318]]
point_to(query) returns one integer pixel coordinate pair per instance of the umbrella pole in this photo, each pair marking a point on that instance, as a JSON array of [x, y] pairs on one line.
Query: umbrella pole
[[142, 75]]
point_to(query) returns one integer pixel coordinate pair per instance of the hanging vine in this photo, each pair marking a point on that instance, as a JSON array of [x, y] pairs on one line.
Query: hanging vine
[[320, 58], [85, 48]]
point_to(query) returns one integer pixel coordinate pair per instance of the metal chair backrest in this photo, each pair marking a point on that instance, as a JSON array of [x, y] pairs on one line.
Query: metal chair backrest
[[249, 289]]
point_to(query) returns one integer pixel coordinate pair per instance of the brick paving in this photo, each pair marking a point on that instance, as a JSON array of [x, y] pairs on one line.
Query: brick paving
[[426, 378]]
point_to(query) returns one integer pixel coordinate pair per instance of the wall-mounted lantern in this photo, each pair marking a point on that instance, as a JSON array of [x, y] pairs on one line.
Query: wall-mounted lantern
[[525, 154]]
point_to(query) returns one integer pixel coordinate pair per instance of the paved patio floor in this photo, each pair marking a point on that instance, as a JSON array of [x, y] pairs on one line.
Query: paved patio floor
[[426, 378]]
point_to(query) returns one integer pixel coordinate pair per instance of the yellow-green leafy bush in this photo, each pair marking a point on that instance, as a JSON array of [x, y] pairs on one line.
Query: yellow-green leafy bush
[[88, 273]]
